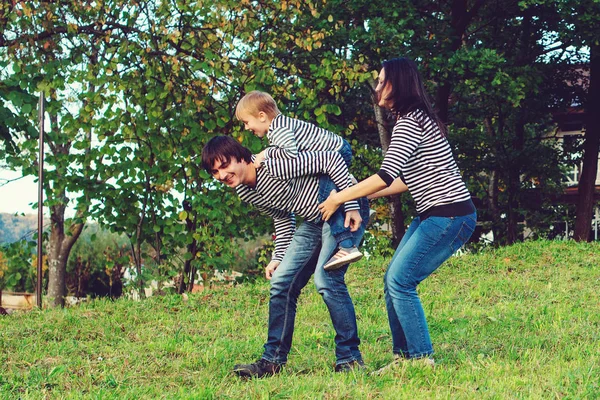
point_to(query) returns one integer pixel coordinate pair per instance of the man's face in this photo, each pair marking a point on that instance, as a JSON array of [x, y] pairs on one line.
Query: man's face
[[231, 172], [258, 124]]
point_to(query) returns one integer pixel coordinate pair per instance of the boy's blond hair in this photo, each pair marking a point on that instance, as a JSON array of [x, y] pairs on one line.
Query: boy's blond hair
[[255, 102]]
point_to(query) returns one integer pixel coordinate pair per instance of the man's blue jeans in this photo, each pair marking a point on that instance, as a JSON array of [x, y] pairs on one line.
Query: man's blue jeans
[[424, 247], [311, 247]]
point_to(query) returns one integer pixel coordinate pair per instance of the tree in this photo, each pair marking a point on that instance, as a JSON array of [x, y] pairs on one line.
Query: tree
[[580, 29]]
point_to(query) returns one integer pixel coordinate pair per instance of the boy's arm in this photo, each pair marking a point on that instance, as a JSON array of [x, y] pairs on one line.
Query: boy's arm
[[314, 163], [282, 143]]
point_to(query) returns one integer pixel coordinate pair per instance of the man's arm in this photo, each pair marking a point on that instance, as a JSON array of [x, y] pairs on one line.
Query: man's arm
[[285, 227]]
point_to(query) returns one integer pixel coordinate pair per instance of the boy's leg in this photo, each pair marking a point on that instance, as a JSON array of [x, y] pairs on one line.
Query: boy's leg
[[350, 253], [346, 152], [342, 235]]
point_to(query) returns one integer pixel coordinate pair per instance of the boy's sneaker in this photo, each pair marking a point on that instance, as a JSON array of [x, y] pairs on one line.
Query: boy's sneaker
[[350, 366], [343, 257], [258, 369]]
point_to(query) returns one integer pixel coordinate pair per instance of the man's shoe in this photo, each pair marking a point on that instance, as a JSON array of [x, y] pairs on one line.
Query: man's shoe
[[350, 366], [258, 369], [343, 257]]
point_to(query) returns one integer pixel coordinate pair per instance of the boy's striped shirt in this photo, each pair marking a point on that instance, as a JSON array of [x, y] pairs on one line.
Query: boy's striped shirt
[[288, 187], [288, 137]]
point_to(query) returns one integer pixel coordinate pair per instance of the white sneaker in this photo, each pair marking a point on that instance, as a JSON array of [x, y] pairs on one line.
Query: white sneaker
[[395, 363], [398, 360], [342, 257]]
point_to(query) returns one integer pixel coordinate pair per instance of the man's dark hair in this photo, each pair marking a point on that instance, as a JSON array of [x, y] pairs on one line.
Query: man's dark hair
[[223, 148]]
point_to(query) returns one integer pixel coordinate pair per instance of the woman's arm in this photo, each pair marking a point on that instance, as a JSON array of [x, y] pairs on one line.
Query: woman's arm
[[364, 188], [396, 187]]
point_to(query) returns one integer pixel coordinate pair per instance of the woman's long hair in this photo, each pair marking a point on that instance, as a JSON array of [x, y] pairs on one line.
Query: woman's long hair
[[407, 90]]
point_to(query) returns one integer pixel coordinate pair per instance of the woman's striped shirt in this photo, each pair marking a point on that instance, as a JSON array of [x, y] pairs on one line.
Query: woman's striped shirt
[[288, 187], [422, 157], [288, 137]]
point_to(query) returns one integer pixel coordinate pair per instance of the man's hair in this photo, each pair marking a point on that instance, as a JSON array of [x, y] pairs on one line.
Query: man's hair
[[255, 102], [223, 149]]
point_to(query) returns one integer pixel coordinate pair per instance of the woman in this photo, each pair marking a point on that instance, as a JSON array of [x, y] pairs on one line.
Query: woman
[[419, 159]]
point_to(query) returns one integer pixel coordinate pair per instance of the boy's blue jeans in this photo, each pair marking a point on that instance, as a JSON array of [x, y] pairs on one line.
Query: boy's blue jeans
[[424, 247], [342, 235], [311, 247]]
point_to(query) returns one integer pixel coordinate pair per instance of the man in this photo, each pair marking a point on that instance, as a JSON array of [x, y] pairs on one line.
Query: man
[[283, 188]]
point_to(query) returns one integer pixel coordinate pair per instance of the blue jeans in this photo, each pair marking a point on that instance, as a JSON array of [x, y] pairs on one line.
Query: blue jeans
[[346, 152], [424, 247], [343, 236], [311, 247]]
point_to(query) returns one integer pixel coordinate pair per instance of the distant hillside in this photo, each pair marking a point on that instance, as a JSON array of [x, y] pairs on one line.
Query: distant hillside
[[15, 227]]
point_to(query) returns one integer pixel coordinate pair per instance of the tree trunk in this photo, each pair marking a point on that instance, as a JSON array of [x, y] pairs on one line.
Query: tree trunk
[[59, 248], [587, 181], [493, 192], [60, 242], [460, 18], [514, 186], [396, 214]]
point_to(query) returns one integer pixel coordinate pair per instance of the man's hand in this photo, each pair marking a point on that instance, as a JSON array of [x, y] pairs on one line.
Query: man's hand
[[259, 158], [270, 269], [329, 206], [353, 220]]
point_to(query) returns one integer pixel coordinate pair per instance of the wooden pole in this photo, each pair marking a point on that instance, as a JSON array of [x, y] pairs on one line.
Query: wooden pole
[[40, 202]]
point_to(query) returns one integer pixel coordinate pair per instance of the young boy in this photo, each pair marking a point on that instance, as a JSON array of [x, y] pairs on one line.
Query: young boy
[[287, 137]]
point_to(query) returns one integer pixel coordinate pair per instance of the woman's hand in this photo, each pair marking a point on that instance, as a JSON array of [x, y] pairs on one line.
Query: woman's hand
[[329, 206]]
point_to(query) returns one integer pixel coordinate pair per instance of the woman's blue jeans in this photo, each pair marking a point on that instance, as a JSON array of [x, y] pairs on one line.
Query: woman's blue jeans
[[311, 247], [424, 247]]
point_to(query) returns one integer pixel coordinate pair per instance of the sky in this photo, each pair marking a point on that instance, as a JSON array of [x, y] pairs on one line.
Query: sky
[[17, 196]]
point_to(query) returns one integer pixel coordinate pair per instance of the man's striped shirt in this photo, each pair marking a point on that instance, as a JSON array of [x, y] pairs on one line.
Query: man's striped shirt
[[288, 137], [288, 187], [422, 157]]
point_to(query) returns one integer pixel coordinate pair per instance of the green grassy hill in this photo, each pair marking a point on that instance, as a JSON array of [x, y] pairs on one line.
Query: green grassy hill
[[518, 322]]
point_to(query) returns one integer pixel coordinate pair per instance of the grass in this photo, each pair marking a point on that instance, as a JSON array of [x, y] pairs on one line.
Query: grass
[[517, 322]]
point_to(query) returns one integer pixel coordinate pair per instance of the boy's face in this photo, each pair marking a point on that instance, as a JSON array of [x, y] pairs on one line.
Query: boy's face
[[231, 172], [258, 124]]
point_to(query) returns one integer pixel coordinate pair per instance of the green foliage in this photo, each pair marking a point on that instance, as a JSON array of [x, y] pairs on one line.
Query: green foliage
[[97, 263], [515, 322], [133, 91], [18, 266]]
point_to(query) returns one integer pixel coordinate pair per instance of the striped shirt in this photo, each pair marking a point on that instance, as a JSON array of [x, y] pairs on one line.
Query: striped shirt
[[288, 137], [422, 157], [289, 187]]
